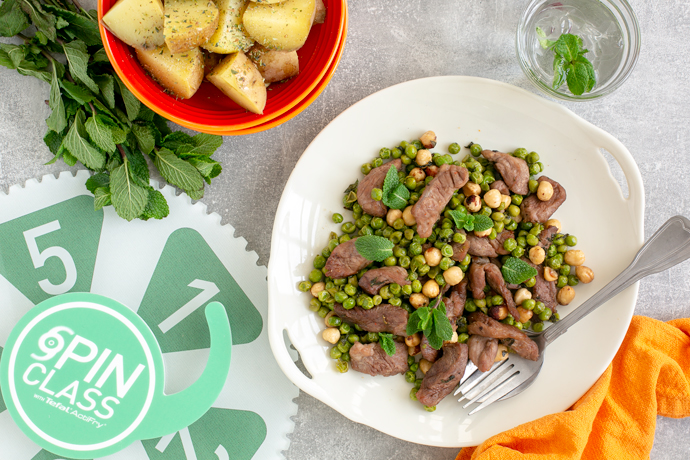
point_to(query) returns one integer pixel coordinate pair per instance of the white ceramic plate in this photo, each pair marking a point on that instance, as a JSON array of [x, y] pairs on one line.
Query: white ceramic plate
[[608, 225]]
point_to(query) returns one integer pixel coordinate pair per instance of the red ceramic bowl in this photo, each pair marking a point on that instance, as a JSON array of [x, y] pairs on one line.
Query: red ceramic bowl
[[301, 105], [210, 110]]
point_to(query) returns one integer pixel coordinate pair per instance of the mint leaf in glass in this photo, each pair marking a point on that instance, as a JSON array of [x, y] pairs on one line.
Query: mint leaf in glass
[[516, 271], [387, 343], [569, 64], [373, 247], [543, 41], [482, 223]]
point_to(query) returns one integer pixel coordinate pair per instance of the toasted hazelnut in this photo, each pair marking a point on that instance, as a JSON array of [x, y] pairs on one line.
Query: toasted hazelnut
[[431, 289], [413, 340], [584, 274], [418, 300], [473, 203], [521, 295], [525, 314], [553, 223], [544, 191], [501, 353], [331, 335], [317, 287], [428, 139], [471, 188], [433, 256], [483, 233], [565, 295], [537, 255], [498, 312], [492, 198], [574, 257], [417, 174], [423, 157], [424, 365], [550, 274], [453, 275], [408, 217], [392, 216], [431, 170]]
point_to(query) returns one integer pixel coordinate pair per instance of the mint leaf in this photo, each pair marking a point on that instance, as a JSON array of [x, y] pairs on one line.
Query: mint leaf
[[78, 60], [176, 139], [54, 141], [100, 134], [373, 247], [179, 173], [482, 222], [516, 271], [57, 121], [156, 207], [78, 93], [68, 158], [442, 326], [12, 19], [132, 104], [397, 199], [462, 219], [416, 320], [102, 197], [543, 41], [128, 198], [571, 67], [106, 84], [145, 135], [77, 25], [559, 72], [80, 148], [387, 343], [568, 46], [206, 144], [97, 181], [44, 22], [207, 167]]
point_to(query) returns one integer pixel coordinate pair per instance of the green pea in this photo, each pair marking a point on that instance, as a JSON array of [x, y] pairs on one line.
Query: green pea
[[325, 252], [376, 194], [350, 290], [340, 296], [521, 241], [447, 250], [532, 240], [493, 234], [497, 216], [518, 252], [323, 311], [341, 366], [554, 262], [446, 263], [562, 248], [533, 185], [520, 153], [395, 288], [324, 296], [509, 320], [539, 307], [552, 251], [348, 227], [573, 280], [545, 315], [366, 168], [416, 286], [512, 225], [376, 163], [410, 377], [367, 303], [430, 408], [513, 210], [335, 321], [564, 270], [530, 282], [562, 281], [405, 160], [337, 217], [529, 304], [396, 152], [396, 237], [475, 149], [353, 338], [459, 238], [304, 286], [533, 157], [497, 300], [571, 240], [454, 148], [510, 244], [534, 169], [335, 353], [413, 394], [538, 327], [410, 183], [404, 261], [516, 199], [463, 337], [319, 261], [385, 153], [403, 144], [377, 223], [315, 276], [314, 304]]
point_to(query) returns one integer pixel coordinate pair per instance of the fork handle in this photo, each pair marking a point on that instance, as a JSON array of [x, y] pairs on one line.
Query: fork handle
[[669, 246]]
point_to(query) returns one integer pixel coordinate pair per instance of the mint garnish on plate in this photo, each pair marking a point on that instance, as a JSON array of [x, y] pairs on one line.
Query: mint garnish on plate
[[570, 66], [387, 343], [433, 322], [516, 271], [395, 194], [373, 247]]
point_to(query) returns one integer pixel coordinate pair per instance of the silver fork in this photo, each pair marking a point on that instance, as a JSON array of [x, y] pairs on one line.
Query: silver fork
[[669, 246]]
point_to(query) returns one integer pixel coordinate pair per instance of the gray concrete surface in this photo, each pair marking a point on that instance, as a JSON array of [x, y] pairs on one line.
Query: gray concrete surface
[[391, 42]]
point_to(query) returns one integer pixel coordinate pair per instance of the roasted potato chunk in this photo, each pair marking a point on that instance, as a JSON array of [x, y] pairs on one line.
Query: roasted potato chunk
[[180, 73], [189, 23], [274, 65], [239, 79], [230, 36], [138, 23], [280, 26]]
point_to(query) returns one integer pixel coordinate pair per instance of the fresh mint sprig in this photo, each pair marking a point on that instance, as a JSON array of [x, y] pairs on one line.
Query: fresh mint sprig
[[516, 271], [395, 194], [570, 66], [373, 247], [432, 322], [470, 222], [95, 119]]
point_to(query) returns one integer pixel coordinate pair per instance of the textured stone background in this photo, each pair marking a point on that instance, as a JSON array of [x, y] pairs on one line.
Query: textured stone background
[[391, 42]]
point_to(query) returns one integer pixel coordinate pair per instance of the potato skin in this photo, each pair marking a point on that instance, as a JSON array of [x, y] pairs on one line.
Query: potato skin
[[180, 73], [239, 79], [274, 65], [189, 23]]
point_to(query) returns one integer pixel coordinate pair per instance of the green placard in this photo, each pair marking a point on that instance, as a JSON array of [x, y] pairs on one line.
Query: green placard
[[188, 276], [2, 402], [45, 455], [52, 251], [220, 434]]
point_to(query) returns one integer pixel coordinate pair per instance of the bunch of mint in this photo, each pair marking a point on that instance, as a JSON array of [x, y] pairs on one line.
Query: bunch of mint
[[569, 65], [95, 119]]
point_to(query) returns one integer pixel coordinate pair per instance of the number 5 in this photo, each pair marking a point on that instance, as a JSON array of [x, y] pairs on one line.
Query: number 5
[[39, 258]]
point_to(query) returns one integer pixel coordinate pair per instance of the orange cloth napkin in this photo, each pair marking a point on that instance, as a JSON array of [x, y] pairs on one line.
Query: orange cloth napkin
[[616, 418]]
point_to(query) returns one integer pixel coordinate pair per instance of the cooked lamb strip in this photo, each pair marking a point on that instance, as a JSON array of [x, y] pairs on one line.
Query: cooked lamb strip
[[455, 302], [533, 209], [376, 278], [345, 260], [460, 250], [543, 291], [428, 352], [373, 360], [514, 170], [436, 196], [481, 246], [500, 186], [497, 242], [381, 318], [371, 181], [495, 279], [481, 324], [546, 236], [477, 277], [444, 375], [482, 351]]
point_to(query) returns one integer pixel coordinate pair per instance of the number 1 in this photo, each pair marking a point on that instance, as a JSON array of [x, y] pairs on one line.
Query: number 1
[[209, 290]]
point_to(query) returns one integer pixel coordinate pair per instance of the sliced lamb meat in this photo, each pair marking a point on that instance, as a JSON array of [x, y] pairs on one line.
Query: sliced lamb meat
[[482, 351], [455, 302], [500, 186], [546, 236], [497, 242], [460, 250], [428, 352], [376, 278], [436, 196], [481, 246], [480, 324], [381, 318], [444, 375], [345, 260], [477, 277], [543, 291], [535, 210], [495, 279], [372, 359], [514, 171], [371, 181]]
